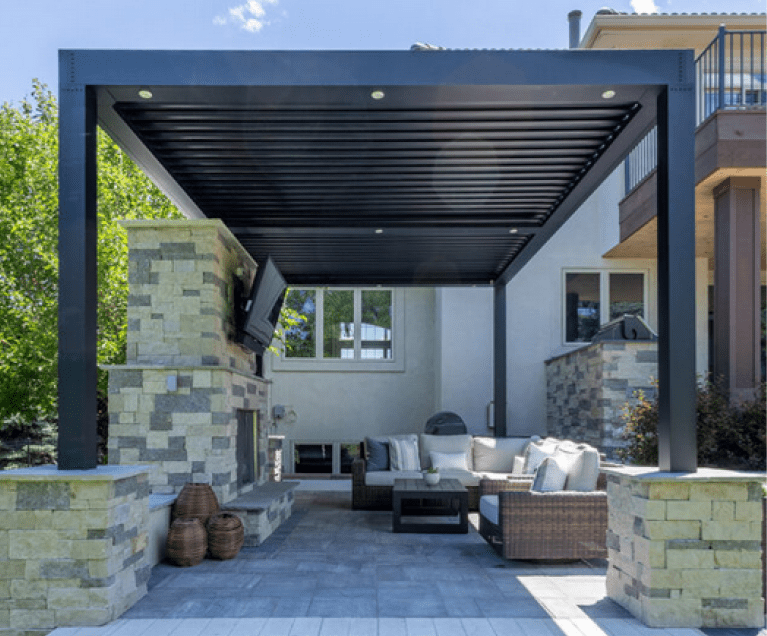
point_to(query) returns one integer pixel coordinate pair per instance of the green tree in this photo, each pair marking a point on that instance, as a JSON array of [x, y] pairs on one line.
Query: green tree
[[29, 252]]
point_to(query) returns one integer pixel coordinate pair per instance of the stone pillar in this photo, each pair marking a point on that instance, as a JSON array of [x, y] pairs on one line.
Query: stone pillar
[[72, 546], [174, 404], [685, 549], [737, 263]]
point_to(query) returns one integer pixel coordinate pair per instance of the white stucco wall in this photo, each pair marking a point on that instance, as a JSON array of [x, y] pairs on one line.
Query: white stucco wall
[[347, 406], [535, 302], [464, 356]]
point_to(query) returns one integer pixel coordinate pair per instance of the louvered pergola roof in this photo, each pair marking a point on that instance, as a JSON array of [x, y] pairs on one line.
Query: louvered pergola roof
[[346, 177]]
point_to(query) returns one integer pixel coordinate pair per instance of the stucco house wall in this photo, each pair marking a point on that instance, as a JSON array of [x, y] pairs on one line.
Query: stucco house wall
[[345, 406]]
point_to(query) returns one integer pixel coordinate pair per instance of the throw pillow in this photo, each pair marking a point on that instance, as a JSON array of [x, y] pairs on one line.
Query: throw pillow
[[496, 454], [403, 453], [583, 474], [444, 461], [444, 444], [376, 454], [549, 477], [519, 465], [536, 453]]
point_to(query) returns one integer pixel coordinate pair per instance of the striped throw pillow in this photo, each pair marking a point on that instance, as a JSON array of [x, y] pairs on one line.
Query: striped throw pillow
[[403, 453]]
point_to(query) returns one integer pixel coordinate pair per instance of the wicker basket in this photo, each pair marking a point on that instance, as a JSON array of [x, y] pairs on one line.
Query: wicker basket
[[226, 535], [187, 543], [196, 500]]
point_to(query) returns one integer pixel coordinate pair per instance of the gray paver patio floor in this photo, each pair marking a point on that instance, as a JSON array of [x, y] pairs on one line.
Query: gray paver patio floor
[[333, 571]]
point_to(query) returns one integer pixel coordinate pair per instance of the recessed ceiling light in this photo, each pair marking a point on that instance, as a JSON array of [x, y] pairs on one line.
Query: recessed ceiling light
[[608, 94], [379, 231], [377, 95], [145, 94], [513, 230]]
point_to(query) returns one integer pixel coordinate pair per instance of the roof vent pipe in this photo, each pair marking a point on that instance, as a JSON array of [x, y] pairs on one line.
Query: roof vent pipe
[[574, 18]]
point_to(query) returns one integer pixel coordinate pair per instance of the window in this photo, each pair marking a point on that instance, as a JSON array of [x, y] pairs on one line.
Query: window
[[593, 298], [341, 324]]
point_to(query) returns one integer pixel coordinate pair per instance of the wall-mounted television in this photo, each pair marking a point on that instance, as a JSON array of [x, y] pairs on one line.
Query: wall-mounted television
[[262, 307]]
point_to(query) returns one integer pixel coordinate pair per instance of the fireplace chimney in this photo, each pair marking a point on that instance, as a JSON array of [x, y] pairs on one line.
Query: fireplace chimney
[[574, 18]]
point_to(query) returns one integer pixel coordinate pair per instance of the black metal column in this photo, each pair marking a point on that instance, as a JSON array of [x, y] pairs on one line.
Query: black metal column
[[677, 451], [499, 360], [77, 447]]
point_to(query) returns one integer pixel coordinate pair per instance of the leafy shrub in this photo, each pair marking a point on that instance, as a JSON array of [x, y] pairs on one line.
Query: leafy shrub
[[728, 435]]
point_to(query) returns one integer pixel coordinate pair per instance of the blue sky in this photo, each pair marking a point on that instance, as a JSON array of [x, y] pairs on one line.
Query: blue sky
[[32, 31]]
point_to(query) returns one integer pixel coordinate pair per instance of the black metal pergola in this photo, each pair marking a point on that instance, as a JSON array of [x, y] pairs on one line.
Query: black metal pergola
[[381, 168]]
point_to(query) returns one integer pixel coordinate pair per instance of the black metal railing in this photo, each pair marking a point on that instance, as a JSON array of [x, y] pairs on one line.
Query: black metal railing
[[730, 74]]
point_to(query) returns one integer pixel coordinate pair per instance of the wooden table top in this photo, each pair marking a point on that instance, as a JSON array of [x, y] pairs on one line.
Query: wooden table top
[[419, 485]]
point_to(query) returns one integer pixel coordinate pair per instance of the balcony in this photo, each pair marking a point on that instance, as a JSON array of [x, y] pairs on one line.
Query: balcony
[[731, 96]]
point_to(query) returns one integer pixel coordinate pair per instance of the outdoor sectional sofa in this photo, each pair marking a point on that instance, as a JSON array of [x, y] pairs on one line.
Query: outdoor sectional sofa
[[568, 522], [487, 458]]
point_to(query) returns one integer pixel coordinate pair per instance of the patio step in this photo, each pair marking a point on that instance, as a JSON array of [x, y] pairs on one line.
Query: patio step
[[263, 509]]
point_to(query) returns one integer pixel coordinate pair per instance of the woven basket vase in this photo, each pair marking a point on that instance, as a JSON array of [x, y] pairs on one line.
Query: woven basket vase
[[196, 500], [187, 543], [226, 535]]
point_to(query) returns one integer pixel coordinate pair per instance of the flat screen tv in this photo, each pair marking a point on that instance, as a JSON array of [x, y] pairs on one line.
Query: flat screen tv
[[262, 309]]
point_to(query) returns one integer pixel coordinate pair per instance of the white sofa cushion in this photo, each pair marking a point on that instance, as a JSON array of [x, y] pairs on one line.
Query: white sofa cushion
[[550, 476], [494, 476], [387, 477], [536, 452], [583, 474], [403, 453], [496, 454], [488, 508], [444, 444], [443, 461]]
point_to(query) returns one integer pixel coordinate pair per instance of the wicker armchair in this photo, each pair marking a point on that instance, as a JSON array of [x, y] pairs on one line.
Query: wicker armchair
[[557, 525]]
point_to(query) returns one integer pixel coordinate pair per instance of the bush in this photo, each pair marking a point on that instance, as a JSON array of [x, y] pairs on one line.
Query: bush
[[728, 436]]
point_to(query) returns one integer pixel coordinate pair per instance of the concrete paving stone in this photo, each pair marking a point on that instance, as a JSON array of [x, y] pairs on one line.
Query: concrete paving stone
[[343, 607], [221, 626], [601, 608], [519, 608], [391, 626], [476, 589], [429, 607], [192, 627], [336, 627], [449, 627], [537, 627], [420, 627], [344, 593], [363, 627], [306, 626], [462, 607], [477, 627], [291, 607], [261, 607], [504, 626], [277, 627], [271, 585], [248, 627]]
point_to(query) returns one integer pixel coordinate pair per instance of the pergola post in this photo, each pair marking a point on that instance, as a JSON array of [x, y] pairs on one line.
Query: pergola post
[[499, 360], [77, 445], [677, 451]]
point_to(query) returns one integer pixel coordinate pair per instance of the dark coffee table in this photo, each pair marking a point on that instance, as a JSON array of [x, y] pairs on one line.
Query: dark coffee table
[[418, 507]]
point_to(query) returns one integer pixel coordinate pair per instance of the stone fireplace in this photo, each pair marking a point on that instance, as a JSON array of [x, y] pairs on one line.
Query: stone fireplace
[[188, 402]]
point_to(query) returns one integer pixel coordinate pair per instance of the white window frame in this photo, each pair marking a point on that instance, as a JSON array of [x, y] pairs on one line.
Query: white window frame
[[604, 295], [318, 363]]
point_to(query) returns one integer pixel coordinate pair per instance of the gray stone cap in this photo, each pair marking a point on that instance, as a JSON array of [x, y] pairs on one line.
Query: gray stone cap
[[190, 224], [50, 472], [576, 348], [159, 500], [261, 497], [170, 368], [650, 473]]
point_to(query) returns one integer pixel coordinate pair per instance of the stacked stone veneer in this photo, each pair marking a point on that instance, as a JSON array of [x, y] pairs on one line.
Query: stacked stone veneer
[[72, 546], [587, 389], [181, 325], [685, 550]]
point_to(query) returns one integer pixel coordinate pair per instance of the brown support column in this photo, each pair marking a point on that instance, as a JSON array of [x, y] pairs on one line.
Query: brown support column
[[737, 256]]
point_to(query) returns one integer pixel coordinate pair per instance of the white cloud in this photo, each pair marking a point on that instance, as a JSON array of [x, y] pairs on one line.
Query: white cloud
[[248, 16], [644, 6]]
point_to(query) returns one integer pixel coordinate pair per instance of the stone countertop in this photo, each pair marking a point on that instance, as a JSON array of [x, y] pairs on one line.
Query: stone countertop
[[261, 497], [652, 473], [50, 472]]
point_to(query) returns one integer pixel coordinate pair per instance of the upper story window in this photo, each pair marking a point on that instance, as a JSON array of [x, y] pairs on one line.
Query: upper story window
[[342, 325], [593, 298]]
